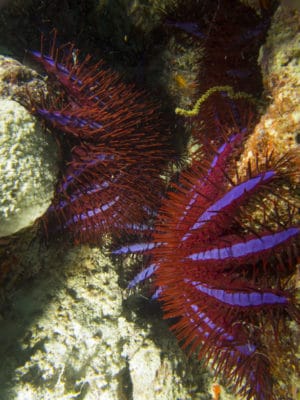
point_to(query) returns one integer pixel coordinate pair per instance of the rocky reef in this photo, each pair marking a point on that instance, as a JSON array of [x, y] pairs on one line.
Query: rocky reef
[[69, 334], [69, 328], [278, 128]]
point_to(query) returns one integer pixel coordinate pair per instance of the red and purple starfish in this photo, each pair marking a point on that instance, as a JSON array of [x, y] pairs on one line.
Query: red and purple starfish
[[222, 256], [114, 142]]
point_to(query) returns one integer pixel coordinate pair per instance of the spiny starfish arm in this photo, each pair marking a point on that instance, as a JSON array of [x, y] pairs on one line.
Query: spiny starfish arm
[[137, 248], [143, 275], [221, 211], [241, 250], [214, 173], [241, 298]]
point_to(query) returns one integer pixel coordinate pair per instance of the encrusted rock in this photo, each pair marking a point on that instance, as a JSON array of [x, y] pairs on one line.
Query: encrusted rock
[[28, 168], [278, 129], [28, 154], [68, 335]]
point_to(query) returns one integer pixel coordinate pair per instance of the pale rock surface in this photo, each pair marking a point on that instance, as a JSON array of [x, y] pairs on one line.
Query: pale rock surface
[[28, 168], [68, 334], [279, 59]]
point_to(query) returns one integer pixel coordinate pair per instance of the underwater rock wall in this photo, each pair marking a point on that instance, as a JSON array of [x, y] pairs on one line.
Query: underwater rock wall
[[68, 335], [278, 128]]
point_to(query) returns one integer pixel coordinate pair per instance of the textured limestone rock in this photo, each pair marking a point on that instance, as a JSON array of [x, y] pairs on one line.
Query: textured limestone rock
[[16, 80], [68, 334], [278, 129], [28, 168]]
